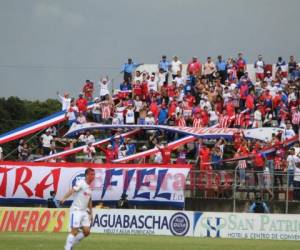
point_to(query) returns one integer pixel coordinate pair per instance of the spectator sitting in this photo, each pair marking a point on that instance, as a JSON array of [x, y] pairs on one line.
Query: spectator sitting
[[259, 206], [52, 201]]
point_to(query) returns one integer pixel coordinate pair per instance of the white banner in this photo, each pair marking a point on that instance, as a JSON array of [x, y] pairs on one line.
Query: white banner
[[247, 226], [143, 222], [142, 183]]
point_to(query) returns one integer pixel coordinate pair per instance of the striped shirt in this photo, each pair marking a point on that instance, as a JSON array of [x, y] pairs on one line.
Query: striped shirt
[[197, 123], [296, 118], [239, 119], [242, 164]]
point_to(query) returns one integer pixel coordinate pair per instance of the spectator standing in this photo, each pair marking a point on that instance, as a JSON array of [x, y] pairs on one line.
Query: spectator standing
[[72, 114], [88, 90], [46, 140], [194, 67], [81, 104], [176, 67], [90, 151], [209, 69], [104, 85], [241, 66], [222, 69], [128, 69], [292, 67], [65, 100], [165, 65], [259, 66]]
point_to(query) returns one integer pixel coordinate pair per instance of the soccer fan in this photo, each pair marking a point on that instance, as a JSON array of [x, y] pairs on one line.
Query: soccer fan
[[222, 69], [128, 69], [110, 153], [46, 140], [81, 104], [176, 67], [81, 209], [259, 66], [88, 90], [103, 85], [194, 67], [65, 100], [165, 65], [241, 66]]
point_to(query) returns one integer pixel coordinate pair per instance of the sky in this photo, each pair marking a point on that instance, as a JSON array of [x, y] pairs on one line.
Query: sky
[[55, 45]]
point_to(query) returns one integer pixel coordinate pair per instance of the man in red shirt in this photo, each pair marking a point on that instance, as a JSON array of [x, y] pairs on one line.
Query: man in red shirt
[[258, 163], [165, 153], [241, 66], [81, 104], [88, 90], [110, 153], [194, 67]]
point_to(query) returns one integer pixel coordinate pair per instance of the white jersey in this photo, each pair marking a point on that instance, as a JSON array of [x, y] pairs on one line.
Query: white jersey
[[82, 196]]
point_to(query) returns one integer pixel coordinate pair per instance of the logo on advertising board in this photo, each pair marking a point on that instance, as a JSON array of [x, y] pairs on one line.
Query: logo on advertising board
[[179, 224], [213, 226]]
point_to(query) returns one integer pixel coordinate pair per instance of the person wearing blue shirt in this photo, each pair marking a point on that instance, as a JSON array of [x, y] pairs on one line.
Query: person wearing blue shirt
[[128, 68], [125, 86], [163, 115], [130, 147], [165, 65], [222, 69], [258, 206]]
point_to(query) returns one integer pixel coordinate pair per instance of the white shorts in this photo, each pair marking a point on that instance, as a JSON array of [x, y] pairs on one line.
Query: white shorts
[[79, 219]]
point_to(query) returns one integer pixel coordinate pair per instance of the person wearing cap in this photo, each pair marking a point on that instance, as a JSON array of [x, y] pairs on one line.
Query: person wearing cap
[[149, 120], [65, 100], [128, 69], [46, 140]]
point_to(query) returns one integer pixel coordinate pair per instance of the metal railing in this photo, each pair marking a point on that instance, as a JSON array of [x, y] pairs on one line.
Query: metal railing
[[244, 185]]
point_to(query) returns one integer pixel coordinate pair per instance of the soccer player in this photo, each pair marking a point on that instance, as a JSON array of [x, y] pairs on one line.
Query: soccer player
[[81, 209]]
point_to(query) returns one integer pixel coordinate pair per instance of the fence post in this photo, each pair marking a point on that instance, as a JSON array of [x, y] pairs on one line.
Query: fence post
[[287, 193], [234, 189]]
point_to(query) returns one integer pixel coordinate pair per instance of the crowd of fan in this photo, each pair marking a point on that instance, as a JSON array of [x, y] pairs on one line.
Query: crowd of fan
[[214, 93]]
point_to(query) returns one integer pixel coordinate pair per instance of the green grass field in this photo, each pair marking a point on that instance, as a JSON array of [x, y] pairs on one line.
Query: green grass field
[[55, 241]]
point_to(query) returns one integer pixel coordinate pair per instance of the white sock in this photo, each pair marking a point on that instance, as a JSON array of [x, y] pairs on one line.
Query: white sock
[[69, 242], [78, 238]]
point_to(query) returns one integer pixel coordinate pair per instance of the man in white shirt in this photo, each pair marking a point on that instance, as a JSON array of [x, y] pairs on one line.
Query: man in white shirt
[[176, 67], [103, 85], [46, 140], [288, 132], [81, 215], [65, 101]]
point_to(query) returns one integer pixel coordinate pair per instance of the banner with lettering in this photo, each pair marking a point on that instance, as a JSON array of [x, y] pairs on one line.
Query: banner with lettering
[[144, 184], [33, 220]]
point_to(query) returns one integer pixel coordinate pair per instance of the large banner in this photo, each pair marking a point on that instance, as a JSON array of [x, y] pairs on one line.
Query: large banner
[[33, 220], [144, 184], [143, 222], [247, 226]]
